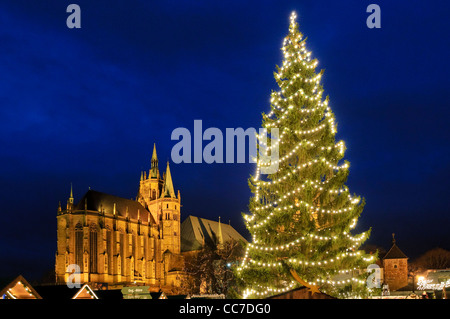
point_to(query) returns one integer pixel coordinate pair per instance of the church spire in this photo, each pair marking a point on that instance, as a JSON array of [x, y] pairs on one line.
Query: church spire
[[220, 236], [154, 172], [71, 194], [168, 184], [70, 200]]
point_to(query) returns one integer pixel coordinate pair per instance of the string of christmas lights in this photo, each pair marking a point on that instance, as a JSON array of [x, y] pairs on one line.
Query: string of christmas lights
[[284, 201], [303, 238]]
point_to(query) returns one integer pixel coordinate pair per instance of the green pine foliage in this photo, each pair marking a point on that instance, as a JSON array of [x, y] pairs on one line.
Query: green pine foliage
[[302, 216]]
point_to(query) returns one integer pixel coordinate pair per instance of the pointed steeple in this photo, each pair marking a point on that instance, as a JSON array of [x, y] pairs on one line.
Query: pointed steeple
[[154, 172], [70, 200], [154, 156], [394, 252], [219, 235], [71, 194], [168, 184]]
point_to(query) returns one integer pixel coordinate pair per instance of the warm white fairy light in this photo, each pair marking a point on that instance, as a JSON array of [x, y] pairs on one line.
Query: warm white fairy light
[[426, 284], [339, 145], [294, 79], [315, 184], [277, 122], [308, 263], [371, 258], [346, 271], [306, 65], [297, 132], [264, 291], [330, 121], [290, 107], [339, 282], [292, 243], [271, 214], [353, 224], [299, 240], [298, 168], [300, 95], [316, 79]]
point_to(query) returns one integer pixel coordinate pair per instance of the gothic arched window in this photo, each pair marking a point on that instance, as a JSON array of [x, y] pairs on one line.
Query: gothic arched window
[[109, 250], [122, 252], [79, 245], [93, 250], [133, 245]]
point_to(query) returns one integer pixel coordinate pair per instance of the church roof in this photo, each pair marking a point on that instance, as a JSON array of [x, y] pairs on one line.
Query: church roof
[[98, 201], [154, 172], [395, 253], [19, 288], [195, 231], [168, 190]]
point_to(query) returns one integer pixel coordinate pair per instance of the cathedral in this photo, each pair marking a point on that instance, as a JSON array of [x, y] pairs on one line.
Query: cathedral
[[119, 241]]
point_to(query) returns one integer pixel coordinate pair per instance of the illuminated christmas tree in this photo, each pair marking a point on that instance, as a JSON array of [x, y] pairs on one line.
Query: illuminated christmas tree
[[302, 215]]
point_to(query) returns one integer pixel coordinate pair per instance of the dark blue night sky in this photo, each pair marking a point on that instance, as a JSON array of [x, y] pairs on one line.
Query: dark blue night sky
[[84, 106]]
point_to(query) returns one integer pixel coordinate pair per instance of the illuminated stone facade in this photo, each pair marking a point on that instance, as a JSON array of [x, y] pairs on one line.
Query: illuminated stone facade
[[395, 264], [120, 241]]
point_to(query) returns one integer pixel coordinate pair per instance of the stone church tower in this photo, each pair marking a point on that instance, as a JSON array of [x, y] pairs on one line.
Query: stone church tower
[[120, 241], [395, 264]]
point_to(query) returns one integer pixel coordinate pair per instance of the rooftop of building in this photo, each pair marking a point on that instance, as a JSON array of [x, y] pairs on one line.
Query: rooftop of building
[[394, 252], [102, 202], [196, 231]]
